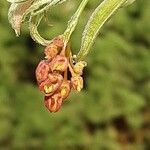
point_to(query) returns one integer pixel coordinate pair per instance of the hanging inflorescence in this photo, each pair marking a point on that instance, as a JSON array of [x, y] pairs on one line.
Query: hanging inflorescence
[[52, 74]]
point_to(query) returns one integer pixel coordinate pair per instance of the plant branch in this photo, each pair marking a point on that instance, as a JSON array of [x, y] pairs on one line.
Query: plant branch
[[73, 21], [33, 24]]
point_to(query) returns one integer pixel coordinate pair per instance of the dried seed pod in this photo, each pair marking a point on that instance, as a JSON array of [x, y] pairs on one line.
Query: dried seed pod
[[78, 67], [54, 102], [77, 83], [65, 89], [58, 41], [50, 51], [59, 63], [42, 71], [51, 85]]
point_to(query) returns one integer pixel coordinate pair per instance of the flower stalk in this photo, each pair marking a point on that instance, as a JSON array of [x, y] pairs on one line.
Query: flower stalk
[[33, 25], [73, 21]]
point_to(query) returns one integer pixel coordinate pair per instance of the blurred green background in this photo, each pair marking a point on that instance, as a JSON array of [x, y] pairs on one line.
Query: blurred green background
[[111, 113]]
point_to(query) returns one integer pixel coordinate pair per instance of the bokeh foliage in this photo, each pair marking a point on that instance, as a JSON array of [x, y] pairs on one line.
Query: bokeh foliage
[[112, 111]]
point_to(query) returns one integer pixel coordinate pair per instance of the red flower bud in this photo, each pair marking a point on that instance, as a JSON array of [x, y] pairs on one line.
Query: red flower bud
[[54, 102], [59, 63], [42, 71], [77, 83], [58, 41], [51, 51], [65, 89], [50, 85]]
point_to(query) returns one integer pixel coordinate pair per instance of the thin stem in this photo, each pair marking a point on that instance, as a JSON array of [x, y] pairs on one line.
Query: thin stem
[[73, 21], [33, 24], [71, 70]]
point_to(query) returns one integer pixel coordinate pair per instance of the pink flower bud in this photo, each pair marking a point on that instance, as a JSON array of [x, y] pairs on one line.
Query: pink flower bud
[[65, 89], [50, 85], [78, 67], [51, 51], [77, 83], [59, 63], [58, 41], [54, 102], [42, 71]]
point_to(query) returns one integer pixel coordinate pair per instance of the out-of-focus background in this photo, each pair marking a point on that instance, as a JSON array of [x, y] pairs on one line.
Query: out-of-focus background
[[111, 113]]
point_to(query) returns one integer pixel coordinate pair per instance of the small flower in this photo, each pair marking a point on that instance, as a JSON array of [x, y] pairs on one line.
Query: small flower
[[77, 83], [50, 51], [65, 89], [78, 67], [42, 71], [50, 86], [52, 74], [59, 63], [58, 41], [53, 103]]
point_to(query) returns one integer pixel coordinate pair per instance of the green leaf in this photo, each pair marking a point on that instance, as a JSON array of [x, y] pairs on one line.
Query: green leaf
[[19, 9], [101, 14], [16, 13]]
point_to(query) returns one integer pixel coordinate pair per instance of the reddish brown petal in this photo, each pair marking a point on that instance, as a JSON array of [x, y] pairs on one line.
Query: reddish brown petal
[[77, 83], [53, 103], [49, 87], [59, 63], [42, 71], [51, 51], [55, 78], [65, 89], [47, 82]]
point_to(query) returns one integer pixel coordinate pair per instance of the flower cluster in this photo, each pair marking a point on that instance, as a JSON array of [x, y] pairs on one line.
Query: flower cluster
[[52, 74]]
